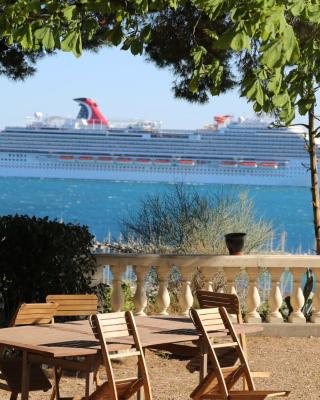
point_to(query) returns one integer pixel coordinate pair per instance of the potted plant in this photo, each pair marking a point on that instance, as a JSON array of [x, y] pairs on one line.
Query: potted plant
[[235, 242]]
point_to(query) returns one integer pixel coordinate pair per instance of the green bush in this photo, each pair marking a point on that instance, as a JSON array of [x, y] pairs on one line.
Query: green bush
[[38, 257]]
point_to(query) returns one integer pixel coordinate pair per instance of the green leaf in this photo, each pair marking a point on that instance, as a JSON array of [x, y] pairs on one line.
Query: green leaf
[[275, 82], [69, 12], [240, 41], [197, 54], [297, 7], [280, 100], [77, 50], [194, 83], [236, 41], [26, 40], [70, 41], [259, 95], [48, 39], [273, 56], [305, 105], [136, 47]]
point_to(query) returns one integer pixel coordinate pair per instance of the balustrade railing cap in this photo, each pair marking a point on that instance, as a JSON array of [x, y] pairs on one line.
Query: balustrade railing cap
[[214, 260]]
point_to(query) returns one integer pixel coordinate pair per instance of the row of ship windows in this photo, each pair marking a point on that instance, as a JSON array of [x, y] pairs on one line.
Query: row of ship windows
[[185, 152], [234, 172], [153, 141], [241, 143]]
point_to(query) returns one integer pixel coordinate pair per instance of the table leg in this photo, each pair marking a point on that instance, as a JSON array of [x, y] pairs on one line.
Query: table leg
[[90, 372], [203, 361], [25, 376]]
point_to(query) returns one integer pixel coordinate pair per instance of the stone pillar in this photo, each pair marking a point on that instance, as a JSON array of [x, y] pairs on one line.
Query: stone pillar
[[275, 299], [207, 273], [297, 298], [315, 317], [253, 299], [163, 298], [186, 298], [98, 276], [117, 295], [230, 274], [140, 298]]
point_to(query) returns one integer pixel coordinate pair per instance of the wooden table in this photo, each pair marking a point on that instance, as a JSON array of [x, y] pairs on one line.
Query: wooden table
[[51, 344]]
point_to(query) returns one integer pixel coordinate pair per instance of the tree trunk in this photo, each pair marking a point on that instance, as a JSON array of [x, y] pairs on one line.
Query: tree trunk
[[314, 178]]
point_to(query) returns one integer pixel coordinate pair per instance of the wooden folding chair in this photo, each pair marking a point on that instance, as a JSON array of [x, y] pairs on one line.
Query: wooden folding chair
[[11, 368], [119, 325], [72, 305], [219, 382], [231, 303]]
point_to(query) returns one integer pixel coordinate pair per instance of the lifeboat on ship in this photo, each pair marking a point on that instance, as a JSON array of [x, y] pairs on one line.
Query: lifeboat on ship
[[104, 158], [162, 161], [85, 158], [124, 160], [186, 162], [66, 158], [143, 160], [268, 164], [251, 164], [229, 163]]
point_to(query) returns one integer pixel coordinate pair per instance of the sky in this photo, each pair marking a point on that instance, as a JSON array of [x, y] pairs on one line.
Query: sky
[[123, 85]]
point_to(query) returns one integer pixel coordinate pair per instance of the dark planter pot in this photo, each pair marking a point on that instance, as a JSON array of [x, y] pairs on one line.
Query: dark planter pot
[[235, 243]]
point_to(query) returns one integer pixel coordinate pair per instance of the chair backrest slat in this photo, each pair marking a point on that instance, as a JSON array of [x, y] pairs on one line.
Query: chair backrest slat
[[74, 305], [34, 313], [209, 299]]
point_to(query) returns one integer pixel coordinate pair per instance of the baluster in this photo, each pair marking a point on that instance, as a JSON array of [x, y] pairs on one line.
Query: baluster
[[275, 299], [207, 274], [117, 295], [315, 317], [163, 298], [98, 276], [253, 299], [186, 298], [297, 298], [140, 298], [230, 274]]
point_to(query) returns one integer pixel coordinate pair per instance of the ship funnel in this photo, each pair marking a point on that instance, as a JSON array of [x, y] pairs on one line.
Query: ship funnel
[[89, 111]]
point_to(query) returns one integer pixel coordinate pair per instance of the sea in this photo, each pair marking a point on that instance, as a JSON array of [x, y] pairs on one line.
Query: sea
[[102, 205]]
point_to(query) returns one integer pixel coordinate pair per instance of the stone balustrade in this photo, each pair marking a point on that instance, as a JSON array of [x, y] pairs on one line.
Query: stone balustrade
[[229, 267]]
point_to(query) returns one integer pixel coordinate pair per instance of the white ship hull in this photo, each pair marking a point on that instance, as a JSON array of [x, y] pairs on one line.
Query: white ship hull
[[247, 152], [35, 167]]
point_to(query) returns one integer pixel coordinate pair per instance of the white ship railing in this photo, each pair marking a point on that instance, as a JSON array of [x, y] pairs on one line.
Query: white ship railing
[[275, 267]]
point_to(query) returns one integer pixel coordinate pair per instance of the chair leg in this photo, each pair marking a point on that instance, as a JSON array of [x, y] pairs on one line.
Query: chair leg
[[14, 396]]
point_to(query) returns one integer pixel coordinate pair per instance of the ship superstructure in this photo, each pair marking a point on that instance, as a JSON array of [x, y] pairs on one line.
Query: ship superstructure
[[91, 147]]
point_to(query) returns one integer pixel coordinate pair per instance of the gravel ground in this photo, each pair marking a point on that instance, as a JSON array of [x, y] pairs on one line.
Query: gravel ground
[[293, 363]]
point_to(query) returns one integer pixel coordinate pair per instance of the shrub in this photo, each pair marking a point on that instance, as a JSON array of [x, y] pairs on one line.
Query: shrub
[[39, 256], [183, 221]]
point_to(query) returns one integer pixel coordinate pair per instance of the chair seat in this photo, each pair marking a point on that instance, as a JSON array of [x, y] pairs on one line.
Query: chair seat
[[11, 370]]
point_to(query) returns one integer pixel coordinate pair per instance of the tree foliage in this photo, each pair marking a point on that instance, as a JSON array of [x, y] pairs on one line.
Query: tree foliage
[[40, 257], [275, 43]]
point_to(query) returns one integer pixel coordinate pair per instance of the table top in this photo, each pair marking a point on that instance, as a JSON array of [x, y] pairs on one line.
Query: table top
[[76, 338]]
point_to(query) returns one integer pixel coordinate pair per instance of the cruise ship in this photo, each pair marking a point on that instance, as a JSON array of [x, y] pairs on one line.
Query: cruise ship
[[230, 151]]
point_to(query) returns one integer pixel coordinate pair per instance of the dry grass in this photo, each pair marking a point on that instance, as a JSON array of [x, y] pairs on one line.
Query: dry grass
[[293, 363]]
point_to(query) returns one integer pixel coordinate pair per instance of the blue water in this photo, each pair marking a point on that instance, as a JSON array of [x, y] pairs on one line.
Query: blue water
[[101, 205]]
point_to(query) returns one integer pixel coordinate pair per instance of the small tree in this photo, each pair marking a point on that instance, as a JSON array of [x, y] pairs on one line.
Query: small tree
[[184, 221], [40, 257]]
